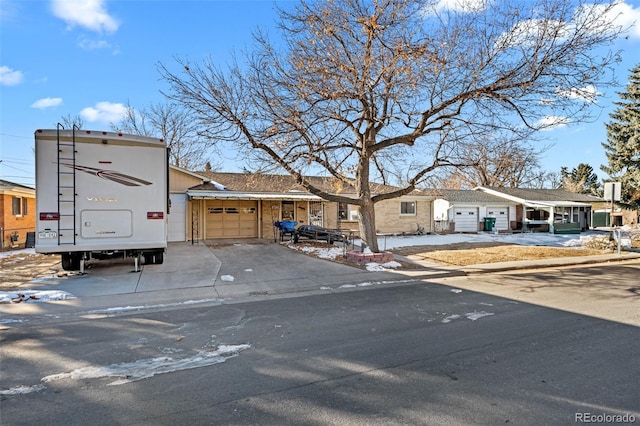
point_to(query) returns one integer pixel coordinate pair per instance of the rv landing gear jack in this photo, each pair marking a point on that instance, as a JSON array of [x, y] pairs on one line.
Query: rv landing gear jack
[[136, 263]]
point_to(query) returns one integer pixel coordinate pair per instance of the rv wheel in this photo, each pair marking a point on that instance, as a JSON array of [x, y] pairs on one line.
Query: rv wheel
[[153, 258], [71, 261], [158, 258]]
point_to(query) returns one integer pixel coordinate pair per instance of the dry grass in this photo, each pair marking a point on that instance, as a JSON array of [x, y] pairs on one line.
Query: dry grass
[[465, 254]]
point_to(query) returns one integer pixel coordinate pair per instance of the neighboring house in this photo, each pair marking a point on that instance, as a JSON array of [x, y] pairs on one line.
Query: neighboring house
[[17, 214], [552, 210], [210, 205], [465, 211], [604, 217]]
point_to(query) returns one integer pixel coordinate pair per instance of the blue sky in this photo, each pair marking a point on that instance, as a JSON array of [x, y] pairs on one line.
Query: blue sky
[[90, 58]]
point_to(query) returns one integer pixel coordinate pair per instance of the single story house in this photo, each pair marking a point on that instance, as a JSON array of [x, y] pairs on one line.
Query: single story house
[[465, 211], [547, 210], [17, 214], [214, 205], [604, 215]]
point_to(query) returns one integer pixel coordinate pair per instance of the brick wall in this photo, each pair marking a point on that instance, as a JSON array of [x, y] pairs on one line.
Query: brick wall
[[389, 219], [19, 224]]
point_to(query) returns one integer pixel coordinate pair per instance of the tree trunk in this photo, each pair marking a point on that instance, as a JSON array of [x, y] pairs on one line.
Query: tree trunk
[[368, 226]]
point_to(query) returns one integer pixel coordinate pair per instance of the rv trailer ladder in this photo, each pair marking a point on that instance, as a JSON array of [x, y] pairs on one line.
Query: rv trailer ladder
[[67, 189]]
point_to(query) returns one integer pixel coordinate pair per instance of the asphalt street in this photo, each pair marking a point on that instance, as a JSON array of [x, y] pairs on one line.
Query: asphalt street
[[416, 353]]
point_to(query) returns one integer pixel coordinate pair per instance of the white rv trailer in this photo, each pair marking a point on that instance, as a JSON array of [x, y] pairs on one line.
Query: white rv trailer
[[100, 194]]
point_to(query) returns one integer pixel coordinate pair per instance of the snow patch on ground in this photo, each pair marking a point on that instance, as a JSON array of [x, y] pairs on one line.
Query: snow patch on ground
[[144, 368], [391, 242], [22, 390], [526, 239], [329, 253], [34, 296], [228, 278], [382, 266], [473, 316], [137, 370]]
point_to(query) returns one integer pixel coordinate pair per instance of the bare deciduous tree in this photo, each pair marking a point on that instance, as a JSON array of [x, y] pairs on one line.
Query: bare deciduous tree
[[69, 122], [362, 89], [499, 162], [178, 128]]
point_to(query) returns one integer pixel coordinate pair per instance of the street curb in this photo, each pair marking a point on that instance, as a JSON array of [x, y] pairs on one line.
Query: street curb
[[488, 268]]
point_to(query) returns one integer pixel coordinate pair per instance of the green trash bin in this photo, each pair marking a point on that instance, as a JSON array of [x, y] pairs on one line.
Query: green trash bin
[[489, 223]]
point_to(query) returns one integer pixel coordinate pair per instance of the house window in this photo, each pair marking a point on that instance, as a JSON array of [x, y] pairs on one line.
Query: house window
[[407, 208], [288, 210], [19, 206], [347, 212], [534, 214]]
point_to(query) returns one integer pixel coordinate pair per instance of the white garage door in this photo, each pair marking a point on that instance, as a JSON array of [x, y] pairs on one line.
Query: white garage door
[[502, 217], [466, 219], [177, 224]]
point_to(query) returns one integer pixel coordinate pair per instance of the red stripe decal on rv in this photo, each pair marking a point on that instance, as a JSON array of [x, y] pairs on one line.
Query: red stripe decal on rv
[[111, 175]]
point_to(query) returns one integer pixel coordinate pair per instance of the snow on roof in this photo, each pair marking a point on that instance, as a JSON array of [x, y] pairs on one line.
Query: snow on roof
[[217, 185]]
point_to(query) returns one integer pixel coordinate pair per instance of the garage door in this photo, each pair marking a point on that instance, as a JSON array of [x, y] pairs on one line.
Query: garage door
[[502, 217], [177, 223], [232, 219], [466, 219]]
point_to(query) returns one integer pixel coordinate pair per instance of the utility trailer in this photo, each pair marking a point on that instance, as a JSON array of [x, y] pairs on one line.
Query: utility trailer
[[100, 195]]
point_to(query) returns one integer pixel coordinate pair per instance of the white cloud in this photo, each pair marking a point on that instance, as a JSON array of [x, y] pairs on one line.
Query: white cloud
[[46, 103], [588, 93], [87, 44], [551, 122], [461, 5], [9, 77], [105, 112], [530, 31], [622, 15], [90, 14]]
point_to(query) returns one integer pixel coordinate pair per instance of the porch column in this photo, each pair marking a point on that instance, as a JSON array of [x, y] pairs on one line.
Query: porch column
[[552, 215]]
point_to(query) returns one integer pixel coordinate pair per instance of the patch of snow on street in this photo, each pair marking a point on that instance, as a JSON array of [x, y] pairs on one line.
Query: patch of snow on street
[[22, 390], [145, 368], [9, 321], [456, 290], [34, 296], [473, 316], [450, 318], [141, 307], [477, 315], [227, 278]]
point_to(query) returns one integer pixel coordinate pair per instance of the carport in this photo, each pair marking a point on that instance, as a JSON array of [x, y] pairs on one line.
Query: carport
[[223, 214]]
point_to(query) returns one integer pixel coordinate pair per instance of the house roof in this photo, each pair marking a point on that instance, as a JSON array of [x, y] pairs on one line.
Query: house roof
[[5, 184], [269, 183], [12, 188], [554, 197], [188, 172], [468, 196]]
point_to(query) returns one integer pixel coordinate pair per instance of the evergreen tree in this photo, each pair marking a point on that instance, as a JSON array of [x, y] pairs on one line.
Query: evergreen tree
[[580, 179], [623, 142]]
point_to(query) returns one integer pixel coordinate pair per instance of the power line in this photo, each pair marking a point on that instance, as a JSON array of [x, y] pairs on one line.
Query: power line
[[16, 136]]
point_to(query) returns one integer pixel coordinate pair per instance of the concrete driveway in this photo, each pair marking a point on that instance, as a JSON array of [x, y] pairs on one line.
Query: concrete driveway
[[197, 274]]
